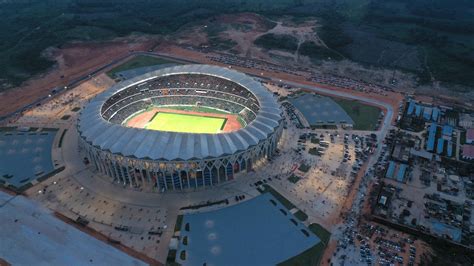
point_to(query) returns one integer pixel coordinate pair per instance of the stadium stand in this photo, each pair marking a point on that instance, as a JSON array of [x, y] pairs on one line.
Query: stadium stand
[[188, 89]]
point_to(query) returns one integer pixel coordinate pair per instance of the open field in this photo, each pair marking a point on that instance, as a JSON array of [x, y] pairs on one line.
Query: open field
[[365, 116], [186, 123], [138, 61]]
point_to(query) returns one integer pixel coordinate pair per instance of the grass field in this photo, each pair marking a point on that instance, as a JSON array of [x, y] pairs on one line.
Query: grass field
[[365, 116], [139, 61], [313, 255], [186, 123]]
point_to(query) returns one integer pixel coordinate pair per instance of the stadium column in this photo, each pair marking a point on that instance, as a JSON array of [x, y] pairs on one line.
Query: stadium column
[[112, 173], [141, 174], [232, 171], [187, 177], [99, 163], [125, 174], [148, 177], [163, 177], [104, 166], [152, 173], [92, 157], [114, 166], [135, 178], [171, 174], [130, 177]]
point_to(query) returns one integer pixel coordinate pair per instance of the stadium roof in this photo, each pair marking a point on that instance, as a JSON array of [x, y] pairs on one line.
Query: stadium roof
[[174, 146]]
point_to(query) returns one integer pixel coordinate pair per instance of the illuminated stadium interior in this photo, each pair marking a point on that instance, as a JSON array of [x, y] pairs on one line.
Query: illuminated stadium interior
[[200, 93]]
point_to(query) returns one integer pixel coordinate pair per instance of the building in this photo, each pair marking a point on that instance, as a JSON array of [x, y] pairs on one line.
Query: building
[[175, 160], [428, 113], [430, 144], [466, 120], [470, 136], [468, 152], [447, 132]]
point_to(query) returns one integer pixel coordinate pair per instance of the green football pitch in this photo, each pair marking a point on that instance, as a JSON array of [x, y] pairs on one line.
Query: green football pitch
[[186, 123]]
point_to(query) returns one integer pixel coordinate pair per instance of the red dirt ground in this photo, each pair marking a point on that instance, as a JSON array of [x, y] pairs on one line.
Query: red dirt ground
[[73, 61], [142, 119]]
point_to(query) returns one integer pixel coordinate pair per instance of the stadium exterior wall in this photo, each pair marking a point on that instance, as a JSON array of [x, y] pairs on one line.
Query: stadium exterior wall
[[179, 175], [178, 161]]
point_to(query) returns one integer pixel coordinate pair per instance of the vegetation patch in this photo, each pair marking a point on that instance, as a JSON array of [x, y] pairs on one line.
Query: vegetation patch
[[7, 129], [322, 233], [279, 42], [171, 258], [304, 168], [138, 61], [301, 215], [182, 255], [462, 139], [317, 52], [365, 117], [284, 201], [207, 204], [294, 179], [179, 223], [438, 33], [60, 143], [313, 255]]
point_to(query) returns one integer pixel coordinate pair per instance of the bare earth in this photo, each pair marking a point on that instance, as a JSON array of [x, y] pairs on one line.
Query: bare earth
[[73, 61], [62, 105]]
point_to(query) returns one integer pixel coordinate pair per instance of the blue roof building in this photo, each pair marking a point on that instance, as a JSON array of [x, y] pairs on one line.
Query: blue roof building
[[447, 131], [450, 149], [418, 109], [390, 170], [435, 114], [401, 172], [431, 137], [427, 111], [411, 108], [440, 146]]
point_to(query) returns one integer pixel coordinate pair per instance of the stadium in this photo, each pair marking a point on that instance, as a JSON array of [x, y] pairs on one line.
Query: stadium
[[180, 127]]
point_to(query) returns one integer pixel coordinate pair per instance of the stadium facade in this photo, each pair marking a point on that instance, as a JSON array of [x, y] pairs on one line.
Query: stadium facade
[[173, 160]]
